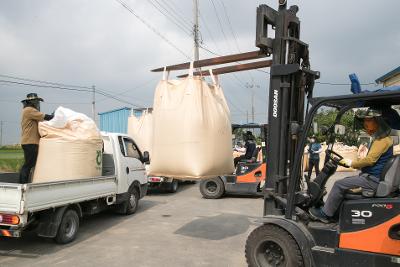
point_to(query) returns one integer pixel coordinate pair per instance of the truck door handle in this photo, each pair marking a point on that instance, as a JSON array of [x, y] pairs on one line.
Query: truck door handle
[[127, 170], [394, 232]]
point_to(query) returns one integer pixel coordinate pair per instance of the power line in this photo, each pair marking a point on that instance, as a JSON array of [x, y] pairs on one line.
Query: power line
[[170, 16], [104, 93], [209, 32], [220, 23], [178, 12], [129, 90], [117, 98], [45, 82], [49, 103], [230, 26], [46, 86], [152, 28]]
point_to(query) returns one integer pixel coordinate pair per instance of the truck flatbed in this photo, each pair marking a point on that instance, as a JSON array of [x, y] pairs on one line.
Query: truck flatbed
[[20, 198]]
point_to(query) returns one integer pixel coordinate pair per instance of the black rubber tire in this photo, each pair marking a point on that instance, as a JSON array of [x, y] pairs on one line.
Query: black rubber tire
[[212, 188], [69, 227], [132, 202], [270, 245], [172, 187]]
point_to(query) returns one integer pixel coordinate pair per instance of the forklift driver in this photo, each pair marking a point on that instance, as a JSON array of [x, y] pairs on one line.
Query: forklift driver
[[381, 150], [250, 147]]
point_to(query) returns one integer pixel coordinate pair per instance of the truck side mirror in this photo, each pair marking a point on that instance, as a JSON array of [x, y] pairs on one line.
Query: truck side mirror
[[146, 157]]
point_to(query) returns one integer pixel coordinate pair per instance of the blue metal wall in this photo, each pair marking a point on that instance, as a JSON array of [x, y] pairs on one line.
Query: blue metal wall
[[116, 121]]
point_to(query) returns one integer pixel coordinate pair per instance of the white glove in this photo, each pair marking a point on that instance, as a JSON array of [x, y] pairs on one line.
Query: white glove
[[346, 162]]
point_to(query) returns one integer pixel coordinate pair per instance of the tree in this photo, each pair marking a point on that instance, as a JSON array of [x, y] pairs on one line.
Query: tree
[[327, 117]]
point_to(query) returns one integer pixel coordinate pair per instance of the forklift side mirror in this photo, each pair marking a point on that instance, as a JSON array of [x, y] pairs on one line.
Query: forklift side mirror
[[340, 129]]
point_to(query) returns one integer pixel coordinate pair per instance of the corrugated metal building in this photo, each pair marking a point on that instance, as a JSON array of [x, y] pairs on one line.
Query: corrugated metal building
[[390, 78], [116, 121]]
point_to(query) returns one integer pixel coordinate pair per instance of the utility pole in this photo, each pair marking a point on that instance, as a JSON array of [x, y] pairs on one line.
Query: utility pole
[[196, 29], [94, 103], [1, 133], [251, 87], [252, 106]]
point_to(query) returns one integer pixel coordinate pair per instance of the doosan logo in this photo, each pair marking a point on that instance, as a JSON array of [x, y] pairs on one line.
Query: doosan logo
[[275, 104]]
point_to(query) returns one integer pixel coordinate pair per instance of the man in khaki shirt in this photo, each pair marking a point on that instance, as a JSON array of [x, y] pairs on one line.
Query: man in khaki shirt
[[30, 137], [371, 166]]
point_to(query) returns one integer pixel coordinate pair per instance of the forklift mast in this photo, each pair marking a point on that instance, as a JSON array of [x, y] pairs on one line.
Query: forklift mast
[[291, 81]]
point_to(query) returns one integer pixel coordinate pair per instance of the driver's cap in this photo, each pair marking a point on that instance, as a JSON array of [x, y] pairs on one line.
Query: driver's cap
[[368, 114]]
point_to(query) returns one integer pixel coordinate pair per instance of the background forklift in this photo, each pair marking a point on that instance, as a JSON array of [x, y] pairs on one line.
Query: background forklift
[[249, 177], [368, 228]]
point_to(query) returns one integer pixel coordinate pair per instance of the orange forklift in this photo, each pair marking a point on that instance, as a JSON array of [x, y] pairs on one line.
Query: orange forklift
[[367, 228], [249, 177]]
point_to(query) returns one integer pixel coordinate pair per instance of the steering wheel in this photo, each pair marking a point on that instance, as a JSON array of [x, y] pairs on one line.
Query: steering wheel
[[335, 157]]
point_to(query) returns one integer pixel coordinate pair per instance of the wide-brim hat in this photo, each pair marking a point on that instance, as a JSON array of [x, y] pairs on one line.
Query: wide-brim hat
[[368, 114], [32, 96]]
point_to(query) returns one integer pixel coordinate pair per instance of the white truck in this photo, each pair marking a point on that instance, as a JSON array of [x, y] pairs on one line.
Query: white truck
[[54, 209]]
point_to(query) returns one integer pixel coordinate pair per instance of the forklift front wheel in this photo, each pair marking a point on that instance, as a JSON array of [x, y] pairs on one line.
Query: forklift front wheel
[[269, 245], [212, 188]]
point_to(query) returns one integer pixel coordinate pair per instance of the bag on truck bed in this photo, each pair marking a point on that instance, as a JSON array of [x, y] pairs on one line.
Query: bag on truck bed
[[70, 148], [192, 135], [141, 130]]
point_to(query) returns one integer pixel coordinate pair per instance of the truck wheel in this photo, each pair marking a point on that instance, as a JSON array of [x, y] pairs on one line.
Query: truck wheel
[[68, 228], [172, 187], [212, 188], [269, 245], [133, 201]]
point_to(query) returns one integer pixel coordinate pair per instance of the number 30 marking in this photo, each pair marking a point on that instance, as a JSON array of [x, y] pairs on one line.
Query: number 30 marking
[[361, 213]]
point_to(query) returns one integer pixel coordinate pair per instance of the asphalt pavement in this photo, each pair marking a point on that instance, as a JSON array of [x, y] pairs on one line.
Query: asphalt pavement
[[181, 229]]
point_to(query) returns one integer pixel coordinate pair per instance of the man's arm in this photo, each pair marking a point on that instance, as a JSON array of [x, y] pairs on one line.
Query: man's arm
[[377, 149], [34, 114], [319, 149]]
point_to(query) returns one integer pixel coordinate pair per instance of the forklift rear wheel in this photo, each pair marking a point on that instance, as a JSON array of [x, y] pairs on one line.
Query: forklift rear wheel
[[212, 188], [68, 228], [269, 245]]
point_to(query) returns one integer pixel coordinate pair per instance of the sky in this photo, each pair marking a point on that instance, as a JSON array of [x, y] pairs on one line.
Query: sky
[[100, 43]]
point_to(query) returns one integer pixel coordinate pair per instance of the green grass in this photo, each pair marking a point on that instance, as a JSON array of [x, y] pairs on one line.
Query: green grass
[[11, 160]]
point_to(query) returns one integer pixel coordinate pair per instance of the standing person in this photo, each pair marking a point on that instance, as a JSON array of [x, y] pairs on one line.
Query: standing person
[[314, 150], [31, 116]]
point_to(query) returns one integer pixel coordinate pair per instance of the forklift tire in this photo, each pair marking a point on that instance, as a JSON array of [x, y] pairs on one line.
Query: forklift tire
[[172, 187], [269, 245], [68, 229], [212, 188]]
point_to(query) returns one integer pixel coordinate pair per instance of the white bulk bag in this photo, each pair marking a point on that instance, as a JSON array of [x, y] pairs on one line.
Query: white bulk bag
[[70, 148], [191, 129], [141, 130]]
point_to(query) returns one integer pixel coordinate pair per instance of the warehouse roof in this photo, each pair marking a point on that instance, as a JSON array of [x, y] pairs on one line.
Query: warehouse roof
[[388, 75]]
